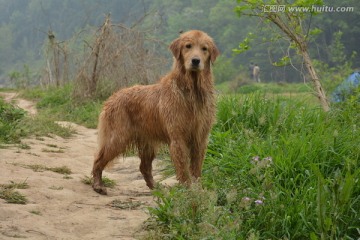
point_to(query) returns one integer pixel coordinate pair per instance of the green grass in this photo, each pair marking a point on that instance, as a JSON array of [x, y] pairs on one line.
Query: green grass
[[129, 204], [15, 124], [14, 185], [270, 88], [10, 118], [35, 212], [61, 170], [10, 195], [276, 168], [40, 168], [60, 104], [56, 188], [110, 183], [55, 104]]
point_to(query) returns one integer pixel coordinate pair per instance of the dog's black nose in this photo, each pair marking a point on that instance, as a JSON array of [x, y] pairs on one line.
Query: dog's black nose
[[195, 62]]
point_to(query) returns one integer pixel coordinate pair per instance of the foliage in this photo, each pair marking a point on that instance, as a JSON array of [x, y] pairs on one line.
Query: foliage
[[70, 21], [21, 79], [224, 70], [340, 66], [185, 214], [276, 168], [289, 22], [337, 48]]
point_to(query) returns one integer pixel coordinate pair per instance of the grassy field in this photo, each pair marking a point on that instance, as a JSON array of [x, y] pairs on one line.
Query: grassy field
[[269, 88], [55, 104], [16, 124], [277, 166], [275, 169], [60, 105]]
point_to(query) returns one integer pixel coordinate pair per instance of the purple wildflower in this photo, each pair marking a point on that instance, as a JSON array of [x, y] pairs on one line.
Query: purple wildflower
[[246, 199], [255, 160]]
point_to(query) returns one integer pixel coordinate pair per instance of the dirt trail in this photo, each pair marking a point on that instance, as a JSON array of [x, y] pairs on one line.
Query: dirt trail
[[66, 208]]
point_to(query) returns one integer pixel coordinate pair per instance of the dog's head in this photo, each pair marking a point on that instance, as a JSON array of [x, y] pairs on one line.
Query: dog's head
[[195, 49]]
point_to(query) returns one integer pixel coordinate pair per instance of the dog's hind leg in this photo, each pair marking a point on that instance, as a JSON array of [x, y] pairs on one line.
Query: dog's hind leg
[[147, 155], [98, 167], [110, 148], [104, 156]]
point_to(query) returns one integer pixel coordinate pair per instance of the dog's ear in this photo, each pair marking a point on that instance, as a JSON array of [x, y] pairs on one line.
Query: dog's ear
[[175, 48], [214, 52]]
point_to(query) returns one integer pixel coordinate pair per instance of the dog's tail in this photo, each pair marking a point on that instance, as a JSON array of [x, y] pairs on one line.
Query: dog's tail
[[106, 151], [103, 131], [113, 138]]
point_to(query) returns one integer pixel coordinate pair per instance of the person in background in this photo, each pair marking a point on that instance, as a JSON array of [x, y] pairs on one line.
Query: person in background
[[251, 70], [256, 73]]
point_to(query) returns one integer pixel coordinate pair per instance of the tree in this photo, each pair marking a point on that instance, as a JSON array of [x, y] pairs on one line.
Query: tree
[[293, 22]]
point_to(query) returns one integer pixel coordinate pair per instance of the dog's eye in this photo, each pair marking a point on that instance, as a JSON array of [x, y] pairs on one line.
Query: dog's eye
[[188, 46], [204, 49]]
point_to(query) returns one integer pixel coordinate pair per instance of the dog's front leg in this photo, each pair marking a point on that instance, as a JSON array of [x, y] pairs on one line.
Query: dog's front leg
[[198, 150], [179, 152]]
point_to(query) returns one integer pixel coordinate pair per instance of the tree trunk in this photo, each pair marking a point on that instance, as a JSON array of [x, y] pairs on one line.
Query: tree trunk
[[49, 72], [302, 46], [320, 93], [94, 75], [98, 48]]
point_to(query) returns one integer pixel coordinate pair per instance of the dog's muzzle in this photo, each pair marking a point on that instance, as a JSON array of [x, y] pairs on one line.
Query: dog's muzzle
[[195, 63]]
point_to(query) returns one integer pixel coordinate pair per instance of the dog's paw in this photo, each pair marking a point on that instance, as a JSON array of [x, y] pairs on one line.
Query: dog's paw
[[100, 190]]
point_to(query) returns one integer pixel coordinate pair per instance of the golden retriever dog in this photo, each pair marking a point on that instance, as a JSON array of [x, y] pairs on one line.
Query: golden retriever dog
[[178, 111]]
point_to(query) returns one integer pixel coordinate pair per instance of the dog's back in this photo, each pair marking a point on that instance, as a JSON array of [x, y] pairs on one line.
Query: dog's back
[[136, 111]]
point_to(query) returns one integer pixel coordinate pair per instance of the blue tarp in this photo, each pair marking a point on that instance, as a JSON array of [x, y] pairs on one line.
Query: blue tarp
[[346, 88]]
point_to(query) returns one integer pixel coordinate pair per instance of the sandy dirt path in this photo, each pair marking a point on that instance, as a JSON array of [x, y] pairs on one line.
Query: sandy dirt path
[[63, 207]]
